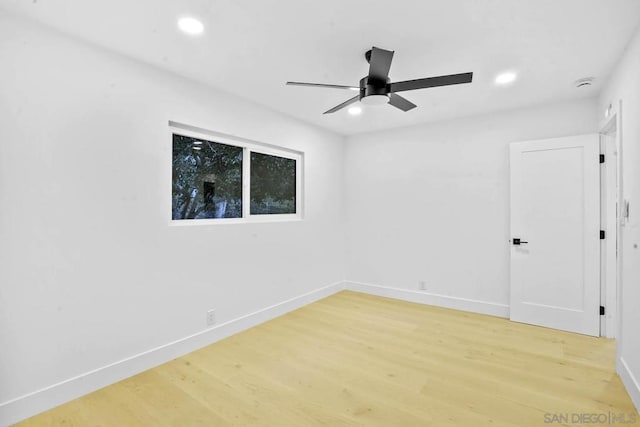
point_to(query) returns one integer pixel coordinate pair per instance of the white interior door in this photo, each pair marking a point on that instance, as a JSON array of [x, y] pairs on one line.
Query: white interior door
[[555, 212]]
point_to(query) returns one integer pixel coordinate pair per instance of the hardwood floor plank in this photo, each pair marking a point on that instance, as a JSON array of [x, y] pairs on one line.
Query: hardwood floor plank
[[361, 360]]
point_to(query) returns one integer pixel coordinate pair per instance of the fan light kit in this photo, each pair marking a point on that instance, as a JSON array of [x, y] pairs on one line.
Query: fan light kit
[[375, 100], [505, 78], [376, 88], [191, 26]]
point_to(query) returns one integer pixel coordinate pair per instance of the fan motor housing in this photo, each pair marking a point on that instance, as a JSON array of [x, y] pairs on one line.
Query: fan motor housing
[[373, 87]]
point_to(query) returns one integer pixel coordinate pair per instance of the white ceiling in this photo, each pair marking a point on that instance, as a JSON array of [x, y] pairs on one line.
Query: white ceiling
[[251, 47]]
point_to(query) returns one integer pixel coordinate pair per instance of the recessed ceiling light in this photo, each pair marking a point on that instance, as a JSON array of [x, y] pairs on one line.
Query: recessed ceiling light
[[505, 78], [191, 26], [354, 111]]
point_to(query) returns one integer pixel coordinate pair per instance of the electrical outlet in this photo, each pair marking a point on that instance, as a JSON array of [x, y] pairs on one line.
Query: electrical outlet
[[211, 317], [422, 285]]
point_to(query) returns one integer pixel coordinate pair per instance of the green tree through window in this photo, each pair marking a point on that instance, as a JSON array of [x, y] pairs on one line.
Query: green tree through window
[[207, 179], [273, 184]]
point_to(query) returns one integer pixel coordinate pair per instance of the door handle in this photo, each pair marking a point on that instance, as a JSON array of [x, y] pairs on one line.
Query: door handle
[[517, 241]]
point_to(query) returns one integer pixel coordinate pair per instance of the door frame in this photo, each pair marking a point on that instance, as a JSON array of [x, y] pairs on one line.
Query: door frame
[[611, 184]]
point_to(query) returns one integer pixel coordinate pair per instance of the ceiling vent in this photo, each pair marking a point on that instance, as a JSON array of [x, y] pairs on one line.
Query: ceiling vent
[[585, 82]]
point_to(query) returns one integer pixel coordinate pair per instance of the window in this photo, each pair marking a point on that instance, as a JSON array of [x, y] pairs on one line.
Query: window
[[220, 179], [207, 179], [273, 184]]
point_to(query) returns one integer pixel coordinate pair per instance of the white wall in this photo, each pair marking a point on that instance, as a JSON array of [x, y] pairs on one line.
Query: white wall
[[430, 203], [624, 87], [90, 271]]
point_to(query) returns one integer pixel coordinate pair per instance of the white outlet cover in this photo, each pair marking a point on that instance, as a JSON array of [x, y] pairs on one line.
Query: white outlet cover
[[211, 317]]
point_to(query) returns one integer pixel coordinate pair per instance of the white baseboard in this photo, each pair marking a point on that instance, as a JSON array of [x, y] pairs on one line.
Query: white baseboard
[[630, 382], [422, 297], [38, 401]]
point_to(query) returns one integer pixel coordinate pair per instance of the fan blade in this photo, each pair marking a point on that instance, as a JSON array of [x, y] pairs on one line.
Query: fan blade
[[344, 104], [451, 79], [400, 102], [379, 64], [322, 85]]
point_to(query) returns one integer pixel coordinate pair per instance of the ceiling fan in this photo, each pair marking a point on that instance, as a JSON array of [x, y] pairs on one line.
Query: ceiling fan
[[376, 88]]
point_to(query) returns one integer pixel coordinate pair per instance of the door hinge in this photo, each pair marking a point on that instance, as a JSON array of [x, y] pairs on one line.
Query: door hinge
[[602, 310], [601, 158], [602, 235]]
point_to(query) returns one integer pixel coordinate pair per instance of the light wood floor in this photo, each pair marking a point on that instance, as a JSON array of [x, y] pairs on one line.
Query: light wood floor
[[353, 360]]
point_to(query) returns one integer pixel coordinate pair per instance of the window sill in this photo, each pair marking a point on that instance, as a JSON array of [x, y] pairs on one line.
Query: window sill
[[227, 221]]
